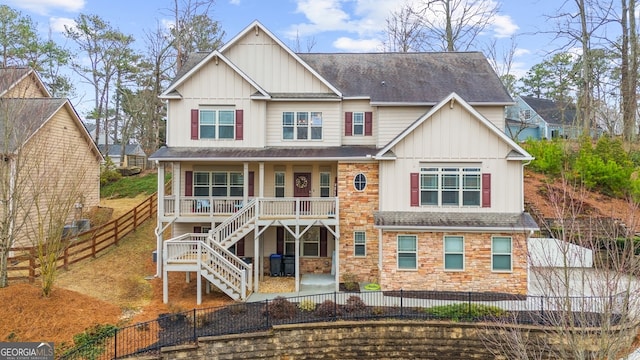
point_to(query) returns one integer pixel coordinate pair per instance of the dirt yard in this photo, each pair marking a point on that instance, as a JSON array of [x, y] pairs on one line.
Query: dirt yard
[[119, 286]]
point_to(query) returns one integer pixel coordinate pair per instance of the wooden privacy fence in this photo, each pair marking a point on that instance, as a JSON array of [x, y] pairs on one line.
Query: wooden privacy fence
[[25, 265]]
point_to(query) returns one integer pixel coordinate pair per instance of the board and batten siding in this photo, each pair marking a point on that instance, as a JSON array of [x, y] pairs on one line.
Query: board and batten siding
[[216, 85], [331, 123], [452, 136], [271, 66], [393, 120], [495, 114]]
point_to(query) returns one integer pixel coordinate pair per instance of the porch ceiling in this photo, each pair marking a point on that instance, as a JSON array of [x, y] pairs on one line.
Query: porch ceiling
[[264, 154], [454, 221]]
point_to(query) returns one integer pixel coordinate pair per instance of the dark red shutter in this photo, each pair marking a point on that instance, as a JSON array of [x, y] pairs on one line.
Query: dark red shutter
[[486, 190], [240, 247], [195, 114], [251, 183], [239, 124], [188, 183], [280, 240], [415, 189], [197, 229], [368, 123], [323, 242], [348, 124]]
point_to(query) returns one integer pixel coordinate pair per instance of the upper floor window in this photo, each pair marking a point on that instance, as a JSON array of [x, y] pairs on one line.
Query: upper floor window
[[526, 114], [450, 186], [358, 123], [301, 125], [217, 124]]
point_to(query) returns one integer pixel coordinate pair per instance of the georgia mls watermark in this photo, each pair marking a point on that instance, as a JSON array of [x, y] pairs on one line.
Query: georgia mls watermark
[[26, 351]]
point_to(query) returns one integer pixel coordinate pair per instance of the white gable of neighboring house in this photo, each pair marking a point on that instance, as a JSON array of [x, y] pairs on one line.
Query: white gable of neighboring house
[[549, 252]]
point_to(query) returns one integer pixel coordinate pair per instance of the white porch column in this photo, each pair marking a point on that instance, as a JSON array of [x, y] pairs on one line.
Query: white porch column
[[177, 186], [336, 251], [159, 216], [165, 286], [257, 259], [245, 184], [261, 180], [297, 257]]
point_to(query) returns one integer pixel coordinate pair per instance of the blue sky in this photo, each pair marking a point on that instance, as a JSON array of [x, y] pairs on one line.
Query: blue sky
[[334, 25]]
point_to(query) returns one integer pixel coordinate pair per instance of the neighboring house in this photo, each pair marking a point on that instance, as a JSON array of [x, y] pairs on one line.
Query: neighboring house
[[43, 138], [391, 167], [535, 118], [133, 155], [91, 128]]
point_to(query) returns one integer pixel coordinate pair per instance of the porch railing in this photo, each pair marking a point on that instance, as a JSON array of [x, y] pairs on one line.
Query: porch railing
[[230, 226], [289, 207], [202, 205], [193, 249], [297, 207]]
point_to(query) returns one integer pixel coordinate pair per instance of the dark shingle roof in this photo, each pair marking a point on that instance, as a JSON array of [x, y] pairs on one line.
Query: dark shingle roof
[[402, 77], [26, 116], [441, 220], [411, 77], [552, 112], [337, 152]]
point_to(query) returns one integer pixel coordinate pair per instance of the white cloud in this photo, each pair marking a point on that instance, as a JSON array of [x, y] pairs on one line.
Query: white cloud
[[44, 7], [357, 45], [521, 52], [504, 26], [234, 2], [57, 24]]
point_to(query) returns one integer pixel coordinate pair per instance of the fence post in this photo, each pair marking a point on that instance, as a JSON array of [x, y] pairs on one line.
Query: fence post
[[542, 307], [65, 255], [195, 334], [335, 305], [32, 265], [115, 344], [469, 304], [266, 311], [135, 218], [115, 231], [401, 303]]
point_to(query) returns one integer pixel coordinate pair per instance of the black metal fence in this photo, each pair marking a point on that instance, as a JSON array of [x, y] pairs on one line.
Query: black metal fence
[[186, 327]]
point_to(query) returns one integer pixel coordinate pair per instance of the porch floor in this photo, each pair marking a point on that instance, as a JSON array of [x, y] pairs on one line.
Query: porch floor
[[272, 287]]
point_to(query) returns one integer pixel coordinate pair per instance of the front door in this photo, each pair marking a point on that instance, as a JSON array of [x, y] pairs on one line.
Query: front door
[[302, 188]]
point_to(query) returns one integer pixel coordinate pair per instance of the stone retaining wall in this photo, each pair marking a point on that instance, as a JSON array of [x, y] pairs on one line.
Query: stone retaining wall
[[364, 339]]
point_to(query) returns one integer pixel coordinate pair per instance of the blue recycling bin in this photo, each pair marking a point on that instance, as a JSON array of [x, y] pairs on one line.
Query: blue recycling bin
[[275, 264]]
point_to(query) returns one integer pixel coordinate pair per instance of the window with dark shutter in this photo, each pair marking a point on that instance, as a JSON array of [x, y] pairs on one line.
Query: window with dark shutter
[[348, 123], [415, 189], [188, 183], [239, 124], [368, 123], [323, 242], [486, 190], [251, 181], [195, 114]]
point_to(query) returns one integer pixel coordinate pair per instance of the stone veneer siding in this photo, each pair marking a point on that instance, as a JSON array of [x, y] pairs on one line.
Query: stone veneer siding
[[477, 275], [379, 340], [356, 214]]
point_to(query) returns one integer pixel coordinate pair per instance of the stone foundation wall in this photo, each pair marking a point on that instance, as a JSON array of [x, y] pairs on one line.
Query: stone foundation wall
[[374, 340], [477, 275]]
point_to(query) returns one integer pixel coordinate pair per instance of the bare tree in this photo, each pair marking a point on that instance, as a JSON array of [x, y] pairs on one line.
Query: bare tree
[[588, 304], [405, 31], [454, 25], [629, 68]]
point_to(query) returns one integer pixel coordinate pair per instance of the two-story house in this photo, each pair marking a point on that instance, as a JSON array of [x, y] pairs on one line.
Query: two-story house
[[391, 167], [535, 118]]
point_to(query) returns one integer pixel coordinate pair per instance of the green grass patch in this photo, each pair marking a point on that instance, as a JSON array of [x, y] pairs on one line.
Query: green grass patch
[[131, 186], [464, 311]]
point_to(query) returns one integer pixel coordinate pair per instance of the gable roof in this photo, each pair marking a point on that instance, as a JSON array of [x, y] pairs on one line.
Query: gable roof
[[551, 111], [518, 153], [29, 115], [11, 76], [193, 65], [419, 78]]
